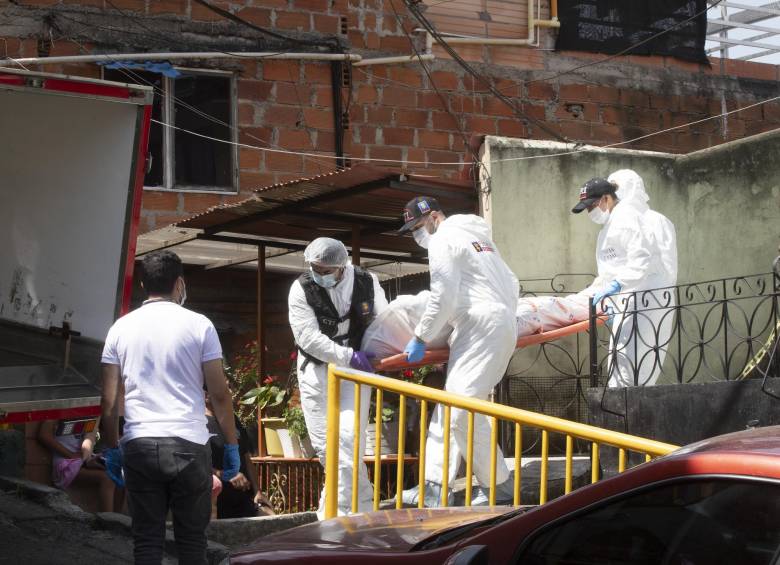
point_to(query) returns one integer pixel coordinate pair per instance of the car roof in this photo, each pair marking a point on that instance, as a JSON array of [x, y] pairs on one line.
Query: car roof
[[764, 441]]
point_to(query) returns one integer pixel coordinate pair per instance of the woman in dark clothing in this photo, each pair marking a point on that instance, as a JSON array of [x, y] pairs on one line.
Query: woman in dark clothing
[[240, 497]]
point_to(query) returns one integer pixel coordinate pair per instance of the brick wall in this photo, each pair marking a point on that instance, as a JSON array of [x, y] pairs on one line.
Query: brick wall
[[395, 112]]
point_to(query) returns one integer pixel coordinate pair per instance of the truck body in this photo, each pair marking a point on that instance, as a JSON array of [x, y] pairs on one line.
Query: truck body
[[72, 163]]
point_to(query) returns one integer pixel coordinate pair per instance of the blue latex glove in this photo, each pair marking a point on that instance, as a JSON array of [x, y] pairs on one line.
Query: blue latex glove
[[361, 362], [612, 288], [231, 462], [415, 350], [113, 458]]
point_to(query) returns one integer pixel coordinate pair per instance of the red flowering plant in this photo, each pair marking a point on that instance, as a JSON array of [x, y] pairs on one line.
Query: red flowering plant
[[248, 395], [419, 374]]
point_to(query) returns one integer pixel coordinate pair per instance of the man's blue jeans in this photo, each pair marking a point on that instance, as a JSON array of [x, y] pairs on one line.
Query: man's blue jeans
[[163, 473]]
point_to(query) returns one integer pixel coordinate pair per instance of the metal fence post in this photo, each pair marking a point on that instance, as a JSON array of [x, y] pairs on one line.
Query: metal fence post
[[332, 445], [593, 344]]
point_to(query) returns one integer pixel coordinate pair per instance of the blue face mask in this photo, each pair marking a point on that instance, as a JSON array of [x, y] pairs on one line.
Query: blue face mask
[[325, 281]]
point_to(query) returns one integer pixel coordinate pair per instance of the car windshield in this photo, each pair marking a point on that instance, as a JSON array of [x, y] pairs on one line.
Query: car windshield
[[446, 536]]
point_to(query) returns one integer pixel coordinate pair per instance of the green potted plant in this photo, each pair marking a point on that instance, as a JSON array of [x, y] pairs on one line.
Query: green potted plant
[[299, 434], [268, 395]]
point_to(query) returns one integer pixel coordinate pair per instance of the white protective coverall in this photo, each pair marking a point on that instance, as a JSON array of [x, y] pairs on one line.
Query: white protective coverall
[[639, 251], [313, 384], [474, 292]]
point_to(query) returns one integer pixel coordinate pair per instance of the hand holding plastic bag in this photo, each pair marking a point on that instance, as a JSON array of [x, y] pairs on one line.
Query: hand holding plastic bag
[[612, 288], [362, 362], [414, 350]]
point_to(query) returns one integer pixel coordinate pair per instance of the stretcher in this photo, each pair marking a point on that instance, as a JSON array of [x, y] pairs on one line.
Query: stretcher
[[398, 362]]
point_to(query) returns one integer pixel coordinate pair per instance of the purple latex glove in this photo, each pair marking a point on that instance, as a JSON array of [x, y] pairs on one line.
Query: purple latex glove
[[361, 362]]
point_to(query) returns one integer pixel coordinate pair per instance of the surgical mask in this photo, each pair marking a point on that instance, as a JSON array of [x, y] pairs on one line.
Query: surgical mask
[[183, 295], [422, 237], [598, 215], [325, 281]]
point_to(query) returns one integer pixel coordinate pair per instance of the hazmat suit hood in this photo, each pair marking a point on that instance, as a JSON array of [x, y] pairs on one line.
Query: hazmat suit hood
[[630, 189], [474, 225]]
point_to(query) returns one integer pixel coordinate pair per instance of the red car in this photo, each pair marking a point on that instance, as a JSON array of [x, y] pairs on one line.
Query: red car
[[716, 502]]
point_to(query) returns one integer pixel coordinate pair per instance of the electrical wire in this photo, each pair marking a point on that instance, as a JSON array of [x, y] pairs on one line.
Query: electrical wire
[[580, 149]]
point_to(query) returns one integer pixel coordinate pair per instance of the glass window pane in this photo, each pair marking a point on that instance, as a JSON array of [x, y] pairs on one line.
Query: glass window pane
[[714, 522], [201, 102], [154, 178]]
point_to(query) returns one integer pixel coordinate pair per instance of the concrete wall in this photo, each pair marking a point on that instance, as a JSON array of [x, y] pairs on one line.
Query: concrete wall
[[724, 202]]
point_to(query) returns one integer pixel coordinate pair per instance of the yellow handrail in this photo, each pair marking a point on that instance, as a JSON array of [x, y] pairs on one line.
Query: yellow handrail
[[548, 424]]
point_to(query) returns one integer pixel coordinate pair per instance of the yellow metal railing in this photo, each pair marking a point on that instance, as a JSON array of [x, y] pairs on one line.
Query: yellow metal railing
[[547, 424]]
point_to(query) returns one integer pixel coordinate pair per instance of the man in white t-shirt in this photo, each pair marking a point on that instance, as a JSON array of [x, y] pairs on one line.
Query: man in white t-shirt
[[161, 355]]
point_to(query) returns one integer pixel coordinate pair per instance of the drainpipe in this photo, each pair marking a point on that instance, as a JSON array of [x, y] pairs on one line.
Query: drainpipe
[[336, 74]]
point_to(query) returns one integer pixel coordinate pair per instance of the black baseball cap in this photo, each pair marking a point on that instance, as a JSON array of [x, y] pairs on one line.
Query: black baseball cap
[[415, 209], [592, 191]]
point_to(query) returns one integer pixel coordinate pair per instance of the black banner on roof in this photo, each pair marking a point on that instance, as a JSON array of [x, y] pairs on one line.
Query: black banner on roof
[[610, 26]]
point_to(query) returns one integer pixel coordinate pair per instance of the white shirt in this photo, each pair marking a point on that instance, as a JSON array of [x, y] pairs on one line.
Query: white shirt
[[160, 348]]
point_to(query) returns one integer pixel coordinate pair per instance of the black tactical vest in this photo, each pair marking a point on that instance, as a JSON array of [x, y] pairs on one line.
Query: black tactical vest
[[360, 314]]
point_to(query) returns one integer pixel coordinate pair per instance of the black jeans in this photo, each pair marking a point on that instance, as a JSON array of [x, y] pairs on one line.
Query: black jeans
[[163, 473]]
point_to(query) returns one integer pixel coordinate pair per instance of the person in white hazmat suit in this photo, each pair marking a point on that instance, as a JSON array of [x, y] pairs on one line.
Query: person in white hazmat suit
[[636, 251], [330, 307], [474, 292]]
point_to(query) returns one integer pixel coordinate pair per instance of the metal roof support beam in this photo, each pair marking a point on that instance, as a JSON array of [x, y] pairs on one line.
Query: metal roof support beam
[[297, 206], [423, 190], [169, 243]]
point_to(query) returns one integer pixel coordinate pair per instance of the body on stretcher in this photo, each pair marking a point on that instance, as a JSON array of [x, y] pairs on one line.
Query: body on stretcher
[[539, 319], [398, 362]]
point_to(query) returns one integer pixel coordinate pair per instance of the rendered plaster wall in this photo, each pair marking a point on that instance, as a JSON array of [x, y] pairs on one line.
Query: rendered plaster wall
[[724, 202]]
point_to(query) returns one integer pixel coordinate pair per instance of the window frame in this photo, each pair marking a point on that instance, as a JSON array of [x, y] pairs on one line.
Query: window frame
[[168, 111], [529, 538]]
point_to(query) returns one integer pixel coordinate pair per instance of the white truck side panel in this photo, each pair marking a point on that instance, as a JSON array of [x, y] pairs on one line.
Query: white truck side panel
[[64, 190]]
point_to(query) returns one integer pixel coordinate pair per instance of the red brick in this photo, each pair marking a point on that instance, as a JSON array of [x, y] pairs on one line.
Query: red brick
[[603, 94], [64, 48], [606, 133], [495, 107], [751, 69], [311, 5], [614, 114], [317, 73], [398, 136], [282, 70], [318, 119], [668, 103], [372, 40], [379, 116], [433, 139], [356, 39], [255, 136], [414, 118], [326, 24], [428, 100], [541, 91], [382, 152], [251, 181], [249, 158], [254, 89], [444, 157], [369, 21], [281, 115], [511, 128], [445, 80], [687, 66], [634, 98], [258, 16], [326, 141], [485, 126], [291, 93], [323, 96], [160, 200], [536, 112], [754, 113], [283, 162], [367, 134], [398, 96], [366, 94], [292, 20], [444, 121], [131, 5], [578, 131], [81, 70], [772, 111], [246, 114], [657, 61], [168, 7], [697, 104], [406, 76], [200, 13], [193, 202], [570, 92], [415, 154], [294, 139], [394, 43]]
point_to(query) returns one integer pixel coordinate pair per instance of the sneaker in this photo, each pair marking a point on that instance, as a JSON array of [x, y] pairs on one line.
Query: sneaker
[[411, 497], [505, 493]]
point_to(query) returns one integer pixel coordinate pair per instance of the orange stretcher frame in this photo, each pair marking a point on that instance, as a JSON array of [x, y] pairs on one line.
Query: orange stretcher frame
[[398, 362]]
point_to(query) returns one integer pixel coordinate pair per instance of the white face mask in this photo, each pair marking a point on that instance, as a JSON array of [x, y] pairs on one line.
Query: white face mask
[[422, 237], [325, 281], [183, 294], [598, 215]]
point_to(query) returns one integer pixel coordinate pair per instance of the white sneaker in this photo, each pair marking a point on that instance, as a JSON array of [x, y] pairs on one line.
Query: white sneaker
[[411, 497], [505, 493]]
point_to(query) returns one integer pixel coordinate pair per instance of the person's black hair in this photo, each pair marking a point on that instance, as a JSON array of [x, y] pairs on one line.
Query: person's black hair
[[160, 271]]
